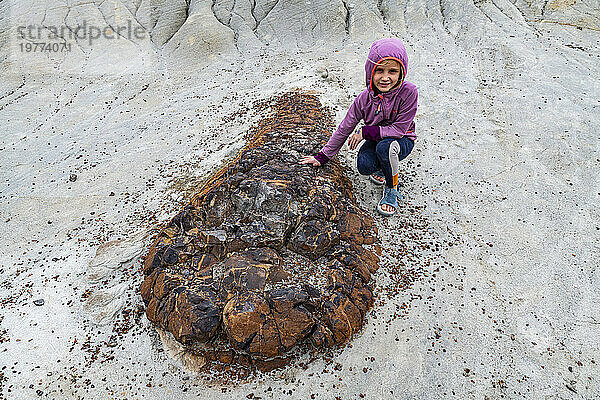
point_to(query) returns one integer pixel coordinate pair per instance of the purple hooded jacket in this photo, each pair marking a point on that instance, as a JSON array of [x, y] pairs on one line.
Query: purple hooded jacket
[[386, 115]]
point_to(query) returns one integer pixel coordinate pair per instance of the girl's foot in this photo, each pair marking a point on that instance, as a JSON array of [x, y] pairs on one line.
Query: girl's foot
[[389, 202], [377, 178]]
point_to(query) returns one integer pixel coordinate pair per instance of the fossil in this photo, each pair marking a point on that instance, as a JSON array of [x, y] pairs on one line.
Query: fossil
[[268, 254]]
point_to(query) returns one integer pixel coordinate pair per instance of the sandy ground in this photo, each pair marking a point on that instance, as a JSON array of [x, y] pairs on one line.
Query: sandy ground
[[488, 288]]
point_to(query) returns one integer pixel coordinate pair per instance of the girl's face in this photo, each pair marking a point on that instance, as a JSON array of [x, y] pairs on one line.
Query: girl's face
[[386, 75]]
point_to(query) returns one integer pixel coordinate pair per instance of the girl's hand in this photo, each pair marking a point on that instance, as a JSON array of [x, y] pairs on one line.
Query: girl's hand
[[309, 160], [355, 139]]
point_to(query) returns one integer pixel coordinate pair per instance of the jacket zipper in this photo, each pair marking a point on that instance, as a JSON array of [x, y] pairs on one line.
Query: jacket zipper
[[379, 108]]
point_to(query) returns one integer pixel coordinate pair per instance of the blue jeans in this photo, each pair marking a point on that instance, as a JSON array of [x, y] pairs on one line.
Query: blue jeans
[[385, 156]]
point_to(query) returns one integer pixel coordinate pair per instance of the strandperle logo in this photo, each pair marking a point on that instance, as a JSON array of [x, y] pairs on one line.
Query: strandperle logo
[[43, 38]]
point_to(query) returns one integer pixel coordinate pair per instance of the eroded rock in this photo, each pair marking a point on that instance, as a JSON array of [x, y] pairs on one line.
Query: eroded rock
[[269, 254]]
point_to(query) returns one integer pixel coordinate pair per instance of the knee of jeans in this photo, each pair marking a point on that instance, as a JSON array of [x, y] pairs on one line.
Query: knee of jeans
[[382, 149], [366, 165], [362, 166]]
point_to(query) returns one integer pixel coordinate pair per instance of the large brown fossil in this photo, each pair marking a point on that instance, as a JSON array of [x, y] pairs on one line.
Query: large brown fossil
[[269, 253]]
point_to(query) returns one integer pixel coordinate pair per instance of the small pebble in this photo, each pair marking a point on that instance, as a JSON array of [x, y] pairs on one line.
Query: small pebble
[[39, 302]]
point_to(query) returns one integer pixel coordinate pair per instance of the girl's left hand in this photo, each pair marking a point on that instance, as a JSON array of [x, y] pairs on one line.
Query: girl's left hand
[[355, 139], [310, 160]]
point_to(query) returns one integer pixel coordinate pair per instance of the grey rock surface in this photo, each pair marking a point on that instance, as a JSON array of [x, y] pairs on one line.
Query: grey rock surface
[[501, 194]]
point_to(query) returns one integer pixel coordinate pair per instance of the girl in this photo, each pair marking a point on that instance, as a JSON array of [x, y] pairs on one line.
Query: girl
[[388, 107]]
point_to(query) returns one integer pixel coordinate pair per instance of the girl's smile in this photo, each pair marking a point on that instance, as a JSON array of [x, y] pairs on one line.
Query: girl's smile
[[386, 75]]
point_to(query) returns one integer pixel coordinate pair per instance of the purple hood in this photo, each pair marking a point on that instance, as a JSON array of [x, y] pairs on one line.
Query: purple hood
[[385, 49]]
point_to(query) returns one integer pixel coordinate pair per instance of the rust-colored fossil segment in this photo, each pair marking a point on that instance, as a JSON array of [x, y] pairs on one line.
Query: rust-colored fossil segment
[[269, 253]]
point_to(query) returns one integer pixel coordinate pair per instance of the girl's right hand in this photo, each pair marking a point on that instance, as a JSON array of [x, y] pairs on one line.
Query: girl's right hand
[[309, 160], [355, 139]]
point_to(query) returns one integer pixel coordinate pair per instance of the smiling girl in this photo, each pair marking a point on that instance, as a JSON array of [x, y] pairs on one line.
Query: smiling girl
[[388, 107]]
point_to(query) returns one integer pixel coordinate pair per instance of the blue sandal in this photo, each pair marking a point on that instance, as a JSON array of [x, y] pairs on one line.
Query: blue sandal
[[390, 197], [377, 178]]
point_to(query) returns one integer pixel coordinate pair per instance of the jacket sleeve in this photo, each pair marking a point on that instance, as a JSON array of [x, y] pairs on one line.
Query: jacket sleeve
[[404, 118], [346, 127], [371, 132]]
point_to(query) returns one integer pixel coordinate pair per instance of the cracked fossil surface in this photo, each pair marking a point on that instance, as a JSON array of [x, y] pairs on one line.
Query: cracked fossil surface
[[269, 253]]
